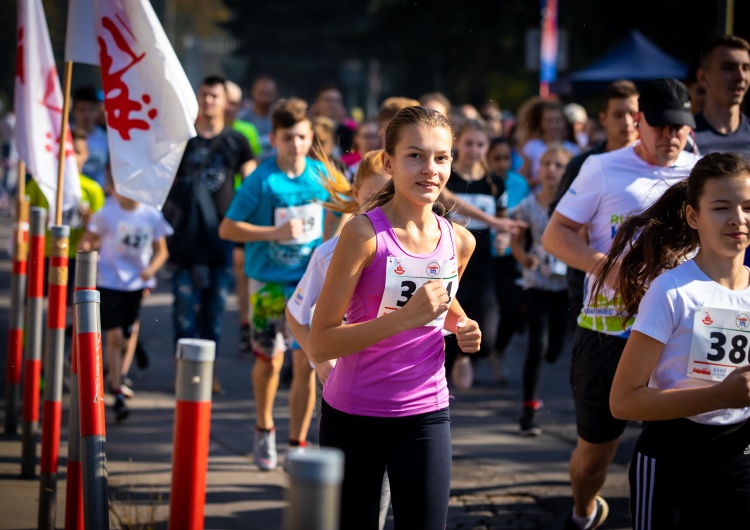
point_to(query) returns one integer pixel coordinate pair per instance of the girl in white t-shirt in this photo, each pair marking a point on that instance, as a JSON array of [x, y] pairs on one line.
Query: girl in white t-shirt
[[685, 369]]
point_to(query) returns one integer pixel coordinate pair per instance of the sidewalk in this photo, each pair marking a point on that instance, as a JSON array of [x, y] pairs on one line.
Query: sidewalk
[[500, 481]]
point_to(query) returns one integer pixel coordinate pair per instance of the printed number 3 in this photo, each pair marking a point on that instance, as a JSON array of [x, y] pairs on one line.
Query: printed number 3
[[408, 288], [736, 354]]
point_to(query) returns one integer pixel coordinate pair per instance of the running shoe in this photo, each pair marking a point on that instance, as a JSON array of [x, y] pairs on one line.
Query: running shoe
[[290, 454], [600, 515], [264, 450], [121, 409], [527, 423], [126, 387], [462, 373]]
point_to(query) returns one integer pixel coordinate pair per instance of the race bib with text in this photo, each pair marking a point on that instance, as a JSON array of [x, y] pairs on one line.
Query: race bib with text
[[405, 275], [312, 217], [720, 343]]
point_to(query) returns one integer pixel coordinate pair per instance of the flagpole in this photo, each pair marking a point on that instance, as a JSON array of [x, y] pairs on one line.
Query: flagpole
[[729, 20], [63, 135]]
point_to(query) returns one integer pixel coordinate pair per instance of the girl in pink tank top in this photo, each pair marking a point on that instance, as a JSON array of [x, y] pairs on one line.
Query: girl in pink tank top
[[394, 274]]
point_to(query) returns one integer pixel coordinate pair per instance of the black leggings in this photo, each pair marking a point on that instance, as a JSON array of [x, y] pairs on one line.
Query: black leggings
[[546, 312], [416, 450], [689, 476], [509, 295]]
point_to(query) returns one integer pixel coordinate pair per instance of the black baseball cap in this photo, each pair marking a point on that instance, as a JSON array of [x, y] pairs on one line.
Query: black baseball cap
[[666, 102]]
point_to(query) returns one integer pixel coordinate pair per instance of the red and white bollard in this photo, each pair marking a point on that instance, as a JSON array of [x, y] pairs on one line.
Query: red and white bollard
[[57, 293], [192, 427], [32, 365], [91, 410], [14, 360], [85, 280]]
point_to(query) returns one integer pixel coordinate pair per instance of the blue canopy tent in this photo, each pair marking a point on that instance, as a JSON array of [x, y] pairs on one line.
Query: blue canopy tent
[[635, 58]]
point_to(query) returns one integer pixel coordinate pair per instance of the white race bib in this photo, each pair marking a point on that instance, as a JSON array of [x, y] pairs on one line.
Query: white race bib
[[720, 343], [131, 240], [403, 276], [312, 216]]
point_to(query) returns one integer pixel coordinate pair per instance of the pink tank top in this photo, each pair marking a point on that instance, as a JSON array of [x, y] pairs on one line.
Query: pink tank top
[[402, 375]]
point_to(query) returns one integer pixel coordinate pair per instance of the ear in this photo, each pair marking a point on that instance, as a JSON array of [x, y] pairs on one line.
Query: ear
[[691, 215], [355, 193], [387, 164], [602, 117], [700, 75], [272, 139]]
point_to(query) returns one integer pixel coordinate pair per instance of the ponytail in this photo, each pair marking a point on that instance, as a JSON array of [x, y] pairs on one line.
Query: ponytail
[[647, 244]]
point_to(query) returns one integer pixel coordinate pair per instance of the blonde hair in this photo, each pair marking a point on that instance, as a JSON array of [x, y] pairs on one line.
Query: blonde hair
[[341, 197], [557, 148]]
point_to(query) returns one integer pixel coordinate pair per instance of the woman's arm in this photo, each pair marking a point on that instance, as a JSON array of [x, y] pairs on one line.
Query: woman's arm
[[501, 224], [632, 399], [329, 339]]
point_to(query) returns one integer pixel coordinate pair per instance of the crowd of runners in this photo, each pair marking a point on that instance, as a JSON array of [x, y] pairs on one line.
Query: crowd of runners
[[377, 260]]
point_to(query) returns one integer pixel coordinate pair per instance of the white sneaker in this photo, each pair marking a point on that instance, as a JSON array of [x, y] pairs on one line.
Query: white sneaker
[[462, 373], [264, 450], [289, 456]]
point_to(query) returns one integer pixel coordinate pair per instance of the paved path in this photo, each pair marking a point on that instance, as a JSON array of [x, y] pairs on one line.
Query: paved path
[[500, 481]]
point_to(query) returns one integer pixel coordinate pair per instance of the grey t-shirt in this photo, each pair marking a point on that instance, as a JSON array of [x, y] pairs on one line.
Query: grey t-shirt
[[709, 140]]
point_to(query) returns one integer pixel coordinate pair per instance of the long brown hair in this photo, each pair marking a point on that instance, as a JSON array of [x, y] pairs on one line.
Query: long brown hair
[[659, 238]]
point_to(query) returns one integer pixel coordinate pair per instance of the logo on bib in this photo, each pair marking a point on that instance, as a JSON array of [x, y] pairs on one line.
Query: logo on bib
[[701, 371], [742, 321], [399, 269], [433, 269], [707, 319]]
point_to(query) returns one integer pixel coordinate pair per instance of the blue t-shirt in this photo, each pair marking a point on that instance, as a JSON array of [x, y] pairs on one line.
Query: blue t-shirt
[[517, 188], [269, 197]]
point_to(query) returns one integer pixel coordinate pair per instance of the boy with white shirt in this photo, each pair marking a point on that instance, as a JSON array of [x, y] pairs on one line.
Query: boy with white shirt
[[132, 244]]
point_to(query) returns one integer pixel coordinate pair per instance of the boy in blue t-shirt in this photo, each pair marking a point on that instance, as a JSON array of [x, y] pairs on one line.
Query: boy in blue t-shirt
[[277, 213]]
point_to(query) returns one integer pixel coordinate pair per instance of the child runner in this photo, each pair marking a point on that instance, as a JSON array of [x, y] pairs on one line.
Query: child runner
[[544, 283], [685, 369], [131, 238], [508, 291], [394, 275], [368, 179], [277, 213], [471, 182]]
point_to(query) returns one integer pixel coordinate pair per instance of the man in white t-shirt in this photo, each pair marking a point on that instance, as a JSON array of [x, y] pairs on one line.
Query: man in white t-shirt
[[609, 188]]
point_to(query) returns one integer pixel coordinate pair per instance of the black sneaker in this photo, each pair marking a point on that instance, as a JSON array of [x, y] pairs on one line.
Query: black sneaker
[[602, 511], [121, 409], [527, 425], [245, 345]]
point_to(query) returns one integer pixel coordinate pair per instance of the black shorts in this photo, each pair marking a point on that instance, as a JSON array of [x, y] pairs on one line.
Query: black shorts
[[119, 309], [595, 359]]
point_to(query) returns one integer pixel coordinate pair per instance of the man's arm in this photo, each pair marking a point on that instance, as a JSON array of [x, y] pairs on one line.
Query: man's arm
[[562, 238]]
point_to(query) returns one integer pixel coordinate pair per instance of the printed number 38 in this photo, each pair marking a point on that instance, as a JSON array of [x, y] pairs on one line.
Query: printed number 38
[[737, 353], [408, 288]]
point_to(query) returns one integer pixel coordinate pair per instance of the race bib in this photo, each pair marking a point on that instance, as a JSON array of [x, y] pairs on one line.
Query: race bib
[[720, 343], [551, 266], [405, 275], [131, 240], [312, 216], [486, 203]]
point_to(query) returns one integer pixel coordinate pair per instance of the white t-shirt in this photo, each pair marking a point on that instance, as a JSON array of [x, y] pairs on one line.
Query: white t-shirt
[[667, 314], [127, 238], [609, 188], [302, 303]]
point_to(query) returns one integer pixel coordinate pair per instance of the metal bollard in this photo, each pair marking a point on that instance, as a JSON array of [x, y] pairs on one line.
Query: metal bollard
[[192, 426], [85, 280], [91, 410], [14, 360], [53, 374], [32, 365], [315, 491]]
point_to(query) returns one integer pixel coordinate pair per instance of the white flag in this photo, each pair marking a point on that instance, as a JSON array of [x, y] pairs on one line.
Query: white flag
[[150, 105], [38, 107]]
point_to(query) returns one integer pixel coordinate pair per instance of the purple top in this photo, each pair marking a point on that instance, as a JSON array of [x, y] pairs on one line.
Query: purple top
[[404, 374]]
